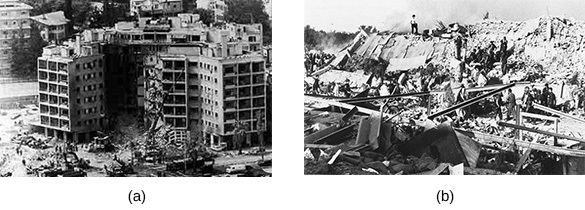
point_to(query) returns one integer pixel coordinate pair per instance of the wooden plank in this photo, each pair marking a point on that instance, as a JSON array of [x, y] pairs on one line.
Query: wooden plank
[[346, 106], [368, 99], [559, 113], [363, 129], [538, 116], [524, 157], [336, 137], [311, 138], [540, 131], [524, 144], [350, 114], [484, 88], [470, 101], [319, 146], [375, 126]]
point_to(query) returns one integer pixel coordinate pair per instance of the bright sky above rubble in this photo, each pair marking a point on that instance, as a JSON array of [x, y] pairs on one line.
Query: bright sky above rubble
[[348, 15]]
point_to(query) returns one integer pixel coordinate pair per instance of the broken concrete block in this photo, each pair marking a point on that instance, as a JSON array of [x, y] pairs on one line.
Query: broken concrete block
[[309, 155], [440, 143], [456, 170], [378, 166], [375, 127], [363, 131]]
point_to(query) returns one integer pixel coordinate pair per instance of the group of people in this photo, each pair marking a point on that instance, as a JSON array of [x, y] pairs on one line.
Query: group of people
[[329, 89], [531, 95], [315, 60], [546, 97], [489, 55]]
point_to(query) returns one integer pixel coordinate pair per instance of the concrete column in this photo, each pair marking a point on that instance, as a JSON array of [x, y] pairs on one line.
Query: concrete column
[[46, 132], [56, 133], [212, 139], [65, 137]]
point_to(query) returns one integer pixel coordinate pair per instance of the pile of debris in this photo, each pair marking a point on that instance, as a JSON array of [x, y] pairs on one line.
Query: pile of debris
[[385, 104]]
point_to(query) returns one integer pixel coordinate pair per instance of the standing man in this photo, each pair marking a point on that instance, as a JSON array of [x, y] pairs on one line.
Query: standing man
[[458, 45], [413, 25], [511, 102], [316, 86], [503, 54], [499, 103]]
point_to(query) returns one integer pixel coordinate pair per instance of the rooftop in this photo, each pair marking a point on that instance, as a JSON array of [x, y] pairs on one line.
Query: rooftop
[[12, 5], [51, 19]]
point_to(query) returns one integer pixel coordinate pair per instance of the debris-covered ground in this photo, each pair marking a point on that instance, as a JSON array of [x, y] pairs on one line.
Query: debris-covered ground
[[495, 97], [26, 152]]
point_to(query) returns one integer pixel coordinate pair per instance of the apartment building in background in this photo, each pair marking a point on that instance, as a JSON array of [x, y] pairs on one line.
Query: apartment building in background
[[217, 6], [156, 8], [71, 90], [14, 22], [52, 26]]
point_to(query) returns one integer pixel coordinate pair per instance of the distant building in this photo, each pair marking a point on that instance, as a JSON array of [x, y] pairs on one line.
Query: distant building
[[52, 26], [14, 22], [71, 90], [217, 6], [156, 8]]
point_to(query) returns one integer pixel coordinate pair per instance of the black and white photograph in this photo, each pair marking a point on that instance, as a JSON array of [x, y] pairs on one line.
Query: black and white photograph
[[452, 87], [135, 88]]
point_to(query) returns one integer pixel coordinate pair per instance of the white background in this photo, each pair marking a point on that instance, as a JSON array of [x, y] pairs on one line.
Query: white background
[[289, 188]]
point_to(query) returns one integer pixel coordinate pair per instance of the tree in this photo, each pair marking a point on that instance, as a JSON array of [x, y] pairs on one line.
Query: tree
[[25, 52], [312, 38], [369, 29], [250, 11], [81, 12], [205, 15], [108, 16]]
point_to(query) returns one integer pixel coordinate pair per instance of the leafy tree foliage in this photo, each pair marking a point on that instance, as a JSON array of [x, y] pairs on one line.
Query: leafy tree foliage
[[321, 39], [25, 52], [250, 11], [205, 15]]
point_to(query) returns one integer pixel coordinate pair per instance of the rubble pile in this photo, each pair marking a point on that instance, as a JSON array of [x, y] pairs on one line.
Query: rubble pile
[[432, 104]]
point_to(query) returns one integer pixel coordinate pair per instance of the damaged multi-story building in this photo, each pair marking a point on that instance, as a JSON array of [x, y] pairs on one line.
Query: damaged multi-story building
[[71, 90], [211, 76]]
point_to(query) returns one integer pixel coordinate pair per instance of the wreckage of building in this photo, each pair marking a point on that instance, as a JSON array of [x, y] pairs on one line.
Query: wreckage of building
[[210, 76], [423, 110]]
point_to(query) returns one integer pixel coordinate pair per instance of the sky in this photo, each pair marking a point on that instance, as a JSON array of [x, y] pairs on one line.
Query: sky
[[348, 15]]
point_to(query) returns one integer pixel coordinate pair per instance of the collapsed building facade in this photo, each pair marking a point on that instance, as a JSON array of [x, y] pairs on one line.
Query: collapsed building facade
[[399, 113], [179, 72]]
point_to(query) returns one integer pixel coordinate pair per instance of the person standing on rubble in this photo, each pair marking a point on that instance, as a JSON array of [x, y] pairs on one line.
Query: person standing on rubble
[[461, 97], [491, 54], [346, 89], [499, 103], [413, 25], [527, 100], [551, 99], [511, 102], [503, 54], [543, 98], [458, 45], [316, 86]]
